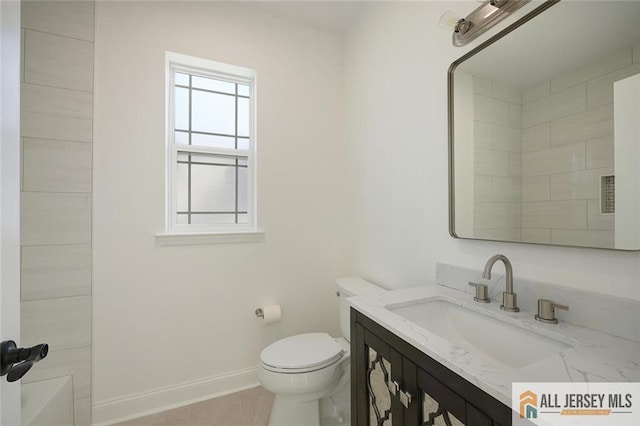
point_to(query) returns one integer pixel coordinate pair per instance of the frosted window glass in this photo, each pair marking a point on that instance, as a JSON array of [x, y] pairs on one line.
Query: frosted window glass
[[213, 84], [242, 189], [243, 90], [182, 138], [243, 143], [182, 183], [182, 79], [243, 117], [213, 188], [213, 113], [182, 108], [213, 141]]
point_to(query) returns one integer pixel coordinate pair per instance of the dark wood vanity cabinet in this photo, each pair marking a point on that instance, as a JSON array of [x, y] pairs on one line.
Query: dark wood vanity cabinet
[[426, 392]]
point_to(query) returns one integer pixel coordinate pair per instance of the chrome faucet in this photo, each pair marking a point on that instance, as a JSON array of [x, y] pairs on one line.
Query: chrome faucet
[[509, 298]]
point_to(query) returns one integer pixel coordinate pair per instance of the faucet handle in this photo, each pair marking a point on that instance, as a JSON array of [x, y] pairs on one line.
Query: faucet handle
[[481, 292], [546, 311]]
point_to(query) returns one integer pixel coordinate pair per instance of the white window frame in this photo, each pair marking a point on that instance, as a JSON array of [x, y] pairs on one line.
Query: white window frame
[[176, 62]]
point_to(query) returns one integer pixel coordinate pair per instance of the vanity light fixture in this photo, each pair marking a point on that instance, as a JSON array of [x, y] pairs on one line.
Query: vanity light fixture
[[480, 20]]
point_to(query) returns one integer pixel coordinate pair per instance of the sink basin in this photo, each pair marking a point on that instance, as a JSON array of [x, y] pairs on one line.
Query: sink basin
[[480, 334]]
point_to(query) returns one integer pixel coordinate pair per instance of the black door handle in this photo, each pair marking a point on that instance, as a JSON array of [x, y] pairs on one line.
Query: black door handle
[[15, 362]]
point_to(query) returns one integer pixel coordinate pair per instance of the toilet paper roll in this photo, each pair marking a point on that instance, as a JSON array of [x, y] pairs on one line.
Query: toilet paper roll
[[270, 313]]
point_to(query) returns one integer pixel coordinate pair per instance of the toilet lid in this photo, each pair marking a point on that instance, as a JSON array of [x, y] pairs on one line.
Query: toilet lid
[[302, 351]]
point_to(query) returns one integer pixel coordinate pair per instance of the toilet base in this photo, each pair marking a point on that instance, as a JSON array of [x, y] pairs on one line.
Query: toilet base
[[318, 409]]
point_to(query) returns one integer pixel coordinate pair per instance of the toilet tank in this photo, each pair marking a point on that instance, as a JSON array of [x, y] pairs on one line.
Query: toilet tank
[[348, 287]]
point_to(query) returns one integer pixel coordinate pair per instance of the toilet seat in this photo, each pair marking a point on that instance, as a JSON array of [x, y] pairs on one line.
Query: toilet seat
[[301, 353]]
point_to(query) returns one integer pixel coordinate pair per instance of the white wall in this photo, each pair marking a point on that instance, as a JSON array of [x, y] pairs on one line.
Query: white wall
[[164, 316], [396, 65], [627, 156]]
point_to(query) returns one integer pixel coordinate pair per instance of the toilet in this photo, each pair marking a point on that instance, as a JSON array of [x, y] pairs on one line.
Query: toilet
[[309, 373]]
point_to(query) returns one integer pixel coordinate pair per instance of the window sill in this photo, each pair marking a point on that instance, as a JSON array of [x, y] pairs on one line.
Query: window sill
[[210, 238]]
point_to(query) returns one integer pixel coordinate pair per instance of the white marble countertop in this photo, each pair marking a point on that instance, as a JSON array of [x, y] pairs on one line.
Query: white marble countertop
[[594, 356]]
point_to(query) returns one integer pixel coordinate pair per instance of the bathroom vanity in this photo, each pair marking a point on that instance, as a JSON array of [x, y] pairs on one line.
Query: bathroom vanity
[[432, 352], [420, 388]]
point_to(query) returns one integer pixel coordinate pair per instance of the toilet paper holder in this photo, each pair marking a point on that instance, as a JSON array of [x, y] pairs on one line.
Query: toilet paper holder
[[269, 313]]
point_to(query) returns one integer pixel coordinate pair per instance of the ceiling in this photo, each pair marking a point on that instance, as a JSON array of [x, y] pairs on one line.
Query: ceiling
[[335, 16], [566, 37]]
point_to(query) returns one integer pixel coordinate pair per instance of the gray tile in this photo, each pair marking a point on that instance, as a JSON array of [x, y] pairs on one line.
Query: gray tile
[[557, 105], [536, 188], [483, 188], [558, 159], [58, 61], [515, 215], [177, 417], [599, 221], [600, 90], [506, 93], [250, 407], [507, 189], [536, 92], [66, 18], [515, 164], [600, 152], [56, 166], [483, 135], [55, 218], [515, 116], [491, 215], [507, 234], [590, 124], [73, 362], [256, 406], [490, 110], [491, 163], [583, 238], [577, 185], [485, 234], [536, 138], [555, 214], [53, 113], [223, 411], [55, 271], [533, 235], [82, 411], [613, 62], [507, 139], [63, 323]]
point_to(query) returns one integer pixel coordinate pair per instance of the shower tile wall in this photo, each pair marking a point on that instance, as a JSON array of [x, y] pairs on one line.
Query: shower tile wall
[[537, 176], [57, 134], [567, 145], [497, 161]]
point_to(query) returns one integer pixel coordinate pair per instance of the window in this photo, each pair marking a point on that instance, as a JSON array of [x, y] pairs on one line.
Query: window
[[210, 146]]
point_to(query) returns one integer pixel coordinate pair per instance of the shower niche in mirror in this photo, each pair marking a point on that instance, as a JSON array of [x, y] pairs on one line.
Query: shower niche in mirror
[[544, 130]]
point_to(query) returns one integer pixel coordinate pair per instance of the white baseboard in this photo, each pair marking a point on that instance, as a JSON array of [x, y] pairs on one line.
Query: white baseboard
[[146, 403]]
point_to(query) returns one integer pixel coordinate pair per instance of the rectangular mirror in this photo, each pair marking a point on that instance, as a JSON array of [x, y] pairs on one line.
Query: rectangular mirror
[[544, 129]]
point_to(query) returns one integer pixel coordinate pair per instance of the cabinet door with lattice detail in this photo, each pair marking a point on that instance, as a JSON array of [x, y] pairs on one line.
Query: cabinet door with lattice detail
[[379, 372], [438, 405]]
